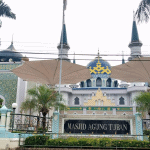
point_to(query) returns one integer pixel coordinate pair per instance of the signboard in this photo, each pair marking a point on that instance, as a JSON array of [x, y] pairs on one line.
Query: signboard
[[97, 126]]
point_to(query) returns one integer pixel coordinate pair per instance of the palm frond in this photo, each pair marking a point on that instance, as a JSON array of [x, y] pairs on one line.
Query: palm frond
[[28, 104], [6, 11], [143, 12], [143, 101]]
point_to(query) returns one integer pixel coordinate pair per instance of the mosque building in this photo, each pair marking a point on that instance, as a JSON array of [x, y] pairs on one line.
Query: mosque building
[[101, 101], [99, 97], [117, 94], [12, 88]]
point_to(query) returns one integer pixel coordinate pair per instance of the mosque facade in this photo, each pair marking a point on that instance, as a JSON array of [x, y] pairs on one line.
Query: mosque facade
[[102, 105], [99, 98], [110, 91]]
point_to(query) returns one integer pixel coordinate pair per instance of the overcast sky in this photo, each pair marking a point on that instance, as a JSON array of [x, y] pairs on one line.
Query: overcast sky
[[91, 24]]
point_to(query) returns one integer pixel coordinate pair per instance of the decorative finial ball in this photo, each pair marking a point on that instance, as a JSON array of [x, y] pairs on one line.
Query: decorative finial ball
[[14, 105]]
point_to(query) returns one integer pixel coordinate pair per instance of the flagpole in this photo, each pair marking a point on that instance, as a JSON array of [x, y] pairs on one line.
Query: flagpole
[[61, 50]]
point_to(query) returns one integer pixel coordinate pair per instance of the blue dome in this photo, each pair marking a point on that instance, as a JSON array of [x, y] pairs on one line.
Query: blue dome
[[99, 66], [6, 55]]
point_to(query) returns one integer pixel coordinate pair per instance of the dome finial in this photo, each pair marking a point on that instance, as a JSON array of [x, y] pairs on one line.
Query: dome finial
[[12, 38], [98, 52], [123, 61], [133, 15], [74, 61]]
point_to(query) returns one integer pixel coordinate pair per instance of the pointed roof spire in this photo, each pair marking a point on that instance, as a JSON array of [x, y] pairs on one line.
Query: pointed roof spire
[[123, 61], [98, 52], [98, 55], [64, 36], [134, 37], [11, 47], [63, 39], [74, 61]]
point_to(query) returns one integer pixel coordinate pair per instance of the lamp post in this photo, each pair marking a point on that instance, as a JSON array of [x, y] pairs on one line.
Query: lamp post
[[14, 106]]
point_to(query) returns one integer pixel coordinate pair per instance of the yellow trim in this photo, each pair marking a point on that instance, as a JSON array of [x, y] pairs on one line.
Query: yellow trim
[[99, 96], [98, 68]]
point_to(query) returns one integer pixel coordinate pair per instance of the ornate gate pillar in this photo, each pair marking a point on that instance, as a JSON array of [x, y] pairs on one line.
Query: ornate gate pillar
[[3, 111], [55, 125], [139, 130]]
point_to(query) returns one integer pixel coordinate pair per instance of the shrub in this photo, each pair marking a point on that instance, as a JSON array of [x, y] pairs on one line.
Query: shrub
[[36, 140], [41, 141], [40, 130], [146, 132]]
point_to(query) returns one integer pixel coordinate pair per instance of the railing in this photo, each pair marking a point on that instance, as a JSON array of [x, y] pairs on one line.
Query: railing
[[22, 122], [146, 124]]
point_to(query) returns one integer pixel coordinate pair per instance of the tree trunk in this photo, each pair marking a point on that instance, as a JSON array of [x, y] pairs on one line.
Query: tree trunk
[[44, 121], [148, 112], [30, 117]]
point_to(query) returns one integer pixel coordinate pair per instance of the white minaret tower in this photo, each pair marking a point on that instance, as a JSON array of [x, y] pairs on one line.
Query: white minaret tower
[[63, 42], [135, 44]]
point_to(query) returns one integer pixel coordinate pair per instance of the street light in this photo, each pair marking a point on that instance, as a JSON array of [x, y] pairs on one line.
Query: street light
[[14, 106]]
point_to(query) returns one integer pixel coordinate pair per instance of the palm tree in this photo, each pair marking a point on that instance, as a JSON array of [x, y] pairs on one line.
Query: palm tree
[[28, 104], [46, 98], [6, 11], [143, 11], [143, 102]]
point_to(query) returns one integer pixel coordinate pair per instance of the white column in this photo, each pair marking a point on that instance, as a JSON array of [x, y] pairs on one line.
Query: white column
[[3, 119], [21, 92], [8, 121], [134, 110]]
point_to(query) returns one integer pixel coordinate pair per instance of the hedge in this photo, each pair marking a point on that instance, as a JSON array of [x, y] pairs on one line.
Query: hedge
[[45, 141], [36, 140], [97, 142]]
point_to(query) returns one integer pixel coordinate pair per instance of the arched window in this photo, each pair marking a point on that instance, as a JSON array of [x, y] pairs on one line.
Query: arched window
[[99, 102], [98, 82], [76, 101], [96, 103], [108, 82], [121, 101], [102, 103], [88, 83], [115, 83], [82, 84]]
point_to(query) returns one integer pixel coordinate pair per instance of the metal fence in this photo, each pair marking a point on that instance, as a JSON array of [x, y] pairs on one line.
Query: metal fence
[[22, 122], [146, 124]]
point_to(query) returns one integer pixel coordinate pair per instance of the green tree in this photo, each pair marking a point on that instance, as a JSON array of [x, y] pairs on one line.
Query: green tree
[[46, 98], [28, 104], [1, 101], [143, 102], [143, 11], [5, 11]]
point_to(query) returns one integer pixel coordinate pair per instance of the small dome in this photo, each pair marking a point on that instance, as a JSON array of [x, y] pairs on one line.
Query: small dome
[[99, 66], [7, 55], [10, 54]]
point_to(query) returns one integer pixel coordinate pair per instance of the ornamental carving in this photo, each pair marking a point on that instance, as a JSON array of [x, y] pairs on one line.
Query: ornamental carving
[[99, 69], [99, 97]]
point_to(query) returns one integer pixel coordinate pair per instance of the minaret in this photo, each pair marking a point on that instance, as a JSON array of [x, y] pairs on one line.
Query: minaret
[[65, 47], [135, 44]]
